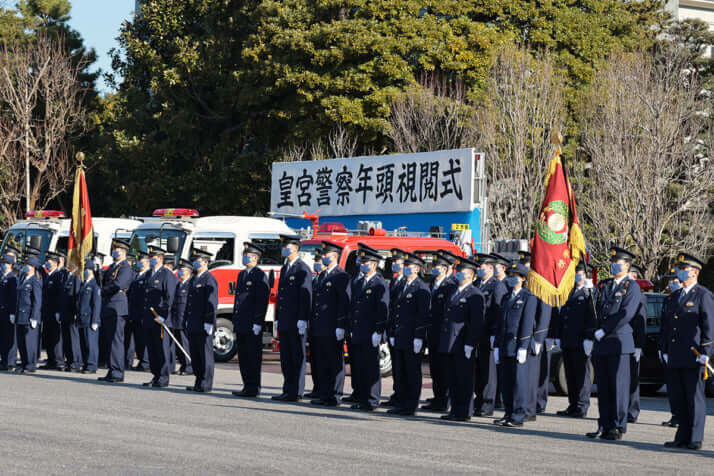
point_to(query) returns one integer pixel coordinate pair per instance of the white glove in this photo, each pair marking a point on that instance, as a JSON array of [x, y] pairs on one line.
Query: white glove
[[339, 333], [703, 359], [665, 357], [536, 347], [659, 352], [57, 316], [557, 342], [495, 356], [33, 324], [468, 350], [391, 341], [549, 344], [588, 283], [301, 325], [599, 334], [95, 326], [638, 354], [492, 340], [417, 345], [160, 319], [257, 328], [12, 318], [208, 328], [376, 339], [588, 347], [521, 356]]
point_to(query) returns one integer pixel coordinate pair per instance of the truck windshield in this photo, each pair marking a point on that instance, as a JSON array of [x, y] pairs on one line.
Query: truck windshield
[[20, 238], [141, 239]]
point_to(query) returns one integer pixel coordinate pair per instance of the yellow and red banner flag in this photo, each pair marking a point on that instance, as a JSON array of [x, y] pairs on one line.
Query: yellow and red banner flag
[[80, 231], [558, 243]]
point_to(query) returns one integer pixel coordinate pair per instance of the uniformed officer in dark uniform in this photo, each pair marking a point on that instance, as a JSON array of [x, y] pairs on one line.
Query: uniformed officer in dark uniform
[[396, 284], [292, 314], [159, 296], [369, 311], [618, 300], [317, 268], [177, 320], [441, 288], [8, 307], [462, 328], [135, 336], [28, 314], [494, 291], [668, 308], [575, 323], [691, 326], [249, 308], [201, 309], [513, 344], [89, 310], [53, 287], [115, 308], [13, 254], [330, 304], [68, 317], [638, 324]]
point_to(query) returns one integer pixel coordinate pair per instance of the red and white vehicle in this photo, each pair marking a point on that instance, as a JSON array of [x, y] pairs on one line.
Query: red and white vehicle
[[178, 230]]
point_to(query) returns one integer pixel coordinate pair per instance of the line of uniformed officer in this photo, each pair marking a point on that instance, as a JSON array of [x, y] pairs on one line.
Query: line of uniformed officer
[[177, 319]]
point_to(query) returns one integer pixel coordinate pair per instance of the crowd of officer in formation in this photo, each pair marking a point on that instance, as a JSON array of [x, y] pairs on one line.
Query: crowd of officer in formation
[[489, 339]]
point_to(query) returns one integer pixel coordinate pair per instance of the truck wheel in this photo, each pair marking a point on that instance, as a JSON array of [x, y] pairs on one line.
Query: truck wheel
[[385, 360], [224, 341]]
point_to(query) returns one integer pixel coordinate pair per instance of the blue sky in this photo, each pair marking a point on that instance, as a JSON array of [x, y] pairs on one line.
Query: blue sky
[[98, 21]]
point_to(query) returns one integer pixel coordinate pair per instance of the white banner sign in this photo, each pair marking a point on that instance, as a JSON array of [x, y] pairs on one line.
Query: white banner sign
[[428, 182]]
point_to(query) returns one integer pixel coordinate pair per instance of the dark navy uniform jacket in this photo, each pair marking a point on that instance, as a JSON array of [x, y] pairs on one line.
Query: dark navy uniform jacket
[[330, 303], [464, 320], [202, 302], [395, 288], [616, 308], [639, 323], [668, 308], [176, 319], [691, 324], [116, 281], [294, 295], [439, 299], [494, 291], [135, 296], [411, 314], [541, 329], [89, 305], [251, 302], [68, 299], [8, 296], [159, 294], [369, 309], [52, 290], [29, 301], [518, 316], [576, 321]]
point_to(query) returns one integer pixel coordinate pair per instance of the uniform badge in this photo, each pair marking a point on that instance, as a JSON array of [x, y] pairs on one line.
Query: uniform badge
[[328, 284], [689, 304], [156, 281], [618, 294], [409, 296], [369, 291], [440, 296], [292, 278], [248, 283], [462, 300], [199, 285], [519, 302]]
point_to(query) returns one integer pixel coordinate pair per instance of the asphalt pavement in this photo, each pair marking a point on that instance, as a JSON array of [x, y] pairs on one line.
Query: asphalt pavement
[[60, 423]]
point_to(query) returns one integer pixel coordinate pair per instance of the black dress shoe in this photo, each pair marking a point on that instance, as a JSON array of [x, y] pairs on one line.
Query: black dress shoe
[[362, 407], [631, 419], [512, 424], [395, 411], [89, 371], [577, 414], [159, 385], [675, 444], [566, 412], [110, 379], [280, 397], [451, 417], [19, 370], [75, 370], [200, 390], [612, 435], [139, 369], [148, 384], [672, 423], [479, 413], [4, 369], [317, 401], [529, 418], [312, 395], [594, 434], [540, 410], [500, 421], [390, 403], [191, 389], [30, 371], [174, 372], [49, 367], [432, 407], [349, 399], [695, 445], [406, 412], [183, 372], [243, 393]]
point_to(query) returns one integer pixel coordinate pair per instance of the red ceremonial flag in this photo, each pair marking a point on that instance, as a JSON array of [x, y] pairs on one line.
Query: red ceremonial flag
[[80, 230], [558, 243]]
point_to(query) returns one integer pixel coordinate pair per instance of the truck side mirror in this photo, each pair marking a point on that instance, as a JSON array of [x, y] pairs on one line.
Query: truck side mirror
[[172, 244], [271, 278]]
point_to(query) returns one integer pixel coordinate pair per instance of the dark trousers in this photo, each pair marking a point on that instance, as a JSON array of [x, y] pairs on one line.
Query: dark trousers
[[316, 384], [690, 404], [355, 393], [135, 338], [250, 360], [52, 342], [366, 378], [8, 344], [201, 351], [72, 348], [395, 371], [577, 375], [292, 362], [539, 382], [117, 355], [158, 344], [486, 378], [329, 361], [515, 381], [175, 354], [409, 387], [669, 382], [460, 375], [105, 345], [633, 410], [612, 374], [27, 344], [439, 375], [89, 345]]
